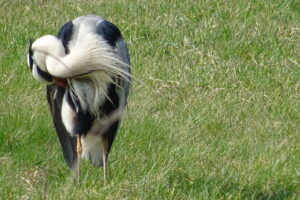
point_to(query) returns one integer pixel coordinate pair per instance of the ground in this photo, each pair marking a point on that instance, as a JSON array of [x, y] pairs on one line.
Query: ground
[[213, 111]]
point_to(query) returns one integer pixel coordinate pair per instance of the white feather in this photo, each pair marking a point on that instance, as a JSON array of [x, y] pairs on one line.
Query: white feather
[[90, 54], [91, 90], [91, 149], [68, 115]]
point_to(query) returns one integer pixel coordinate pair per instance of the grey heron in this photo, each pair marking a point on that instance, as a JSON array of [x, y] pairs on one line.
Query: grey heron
[[86, 69]]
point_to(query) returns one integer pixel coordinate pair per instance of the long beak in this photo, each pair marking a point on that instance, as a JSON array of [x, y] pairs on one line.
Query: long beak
[[61, 82]]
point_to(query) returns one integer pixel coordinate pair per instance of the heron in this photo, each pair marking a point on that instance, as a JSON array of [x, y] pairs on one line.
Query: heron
[[87, 73]]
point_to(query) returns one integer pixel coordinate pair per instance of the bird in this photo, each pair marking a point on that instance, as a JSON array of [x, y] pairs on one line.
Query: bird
[[87, 72]]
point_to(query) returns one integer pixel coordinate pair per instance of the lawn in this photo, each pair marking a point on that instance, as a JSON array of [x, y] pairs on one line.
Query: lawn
[[214, 109]]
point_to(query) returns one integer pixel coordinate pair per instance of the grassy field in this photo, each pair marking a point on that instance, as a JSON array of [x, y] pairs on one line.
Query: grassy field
[[214, 111]]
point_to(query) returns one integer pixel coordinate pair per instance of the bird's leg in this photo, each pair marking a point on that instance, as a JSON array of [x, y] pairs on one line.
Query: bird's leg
[[79, 151], [104, 156]]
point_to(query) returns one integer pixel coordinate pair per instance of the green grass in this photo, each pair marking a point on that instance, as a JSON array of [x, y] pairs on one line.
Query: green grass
[[214, 112]]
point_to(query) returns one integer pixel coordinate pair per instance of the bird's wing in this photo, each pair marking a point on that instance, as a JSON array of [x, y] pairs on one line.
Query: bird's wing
[[68, 144]]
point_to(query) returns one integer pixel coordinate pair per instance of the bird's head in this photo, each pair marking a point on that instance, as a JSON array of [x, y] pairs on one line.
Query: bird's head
[[39, 51]]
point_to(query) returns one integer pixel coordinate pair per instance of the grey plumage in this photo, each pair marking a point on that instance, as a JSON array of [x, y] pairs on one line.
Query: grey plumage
[[87, 71]]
